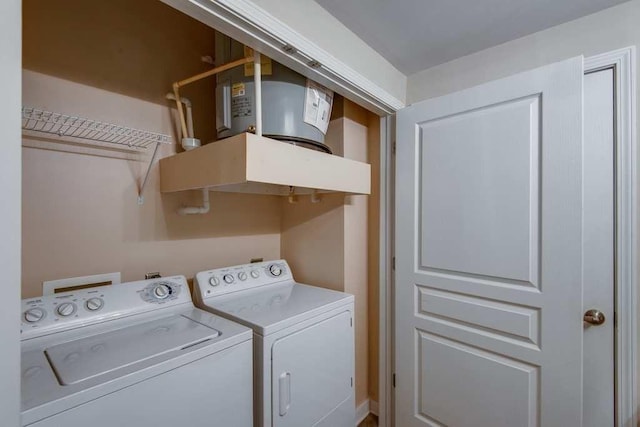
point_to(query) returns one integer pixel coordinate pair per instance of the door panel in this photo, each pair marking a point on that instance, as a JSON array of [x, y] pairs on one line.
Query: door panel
[[490, 381], [598, 247], [489, 153], [312, 372], [488, 254]]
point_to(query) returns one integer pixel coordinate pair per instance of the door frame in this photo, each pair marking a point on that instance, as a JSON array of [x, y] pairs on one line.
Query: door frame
[[623, 63], [10, 212]]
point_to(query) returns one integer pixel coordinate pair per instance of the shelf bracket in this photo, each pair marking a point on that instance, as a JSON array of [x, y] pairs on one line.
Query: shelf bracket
[[146, 175]]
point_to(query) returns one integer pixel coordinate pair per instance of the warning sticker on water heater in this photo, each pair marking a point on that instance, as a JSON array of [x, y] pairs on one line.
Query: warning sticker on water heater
[[318, 101], [237, 90]]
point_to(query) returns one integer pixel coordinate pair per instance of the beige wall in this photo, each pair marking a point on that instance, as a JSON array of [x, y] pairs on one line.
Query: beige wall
[[136, 48], [326, 243], [115, 61], [80, 214], [373, 251]]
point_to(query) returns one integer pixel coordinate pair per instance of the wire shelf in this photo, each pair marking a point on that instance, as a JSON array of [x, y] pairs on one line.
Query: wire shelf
[[64, 125]]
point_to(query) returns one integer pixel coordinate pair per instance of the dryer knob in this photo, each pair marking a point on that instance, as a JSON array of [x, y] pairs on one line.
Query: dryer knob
[[214, 281], [34, 315], [275, 270], [255, 274], [228, 278], [242, 276], [66, 309]]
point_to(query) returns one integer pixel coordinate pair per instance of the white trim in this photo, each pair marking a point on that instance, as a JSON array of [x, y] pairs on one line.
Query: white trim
[[373, 407], [623, 62], [253, 26], [10, 211], [387, 183], [362, 411]]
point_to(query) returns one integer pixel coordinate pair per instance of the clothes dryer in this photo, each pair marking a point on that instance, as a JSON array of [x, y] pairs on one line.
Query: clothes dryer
[[303, 342]]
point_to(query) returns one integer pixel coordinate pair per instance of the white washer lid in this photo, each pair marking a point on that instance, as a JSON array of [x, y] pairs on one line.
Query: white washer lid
[[273, 307], [85, 358]]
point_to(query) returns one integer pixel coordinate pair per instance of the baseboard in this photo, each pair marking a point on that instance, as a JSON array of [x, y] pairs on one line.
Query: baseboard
[[373, 407], [362, 411]]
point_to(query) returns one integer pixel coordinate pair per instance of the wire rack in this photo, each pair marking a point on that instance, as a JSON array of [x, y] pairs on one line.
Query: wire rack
[[64, 125]]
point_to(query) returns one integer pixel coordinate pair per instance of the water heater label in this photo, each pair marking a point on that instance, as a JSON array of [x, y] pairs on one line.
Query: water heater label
[[237, 90], [241, 106], [317, 106]]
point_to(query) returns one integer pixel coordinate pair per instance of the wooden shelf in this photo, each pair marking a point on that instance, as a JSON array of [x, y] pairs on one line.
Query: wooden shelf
[[247, 163]]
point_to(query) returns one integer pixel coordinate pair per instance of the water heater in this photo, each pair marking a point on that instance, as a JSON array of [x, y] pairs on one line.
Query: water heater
[[294, 109]]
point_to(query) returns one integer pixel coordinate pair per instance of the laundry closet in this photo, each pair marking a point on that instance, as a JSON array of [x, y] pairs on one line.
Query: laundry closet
[[83, 211]]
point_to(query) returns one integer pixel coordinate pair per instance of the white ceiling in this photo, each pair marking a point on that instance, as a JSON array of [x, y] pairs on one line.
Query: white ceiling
[[417, 34]]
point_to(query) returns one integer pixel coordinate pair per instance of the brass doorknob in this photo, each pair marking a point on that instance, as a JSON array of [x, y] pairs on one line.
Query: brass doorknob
[[594, 317]]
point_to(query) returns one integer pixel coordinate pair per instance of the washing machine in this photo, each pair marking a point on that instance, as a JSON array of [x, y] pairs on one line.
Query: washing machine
[[303, 342], [135, 354]]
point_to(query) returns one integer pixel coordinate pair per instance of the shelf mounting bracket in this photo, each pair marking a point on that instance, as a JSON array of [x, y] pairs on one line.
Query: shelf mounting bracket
[[146, 175]]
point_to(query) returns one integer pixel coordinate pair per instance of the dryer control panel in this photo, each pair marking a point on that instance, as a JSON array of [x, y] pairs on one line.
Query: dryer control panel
[[241, 277], [66, 310]]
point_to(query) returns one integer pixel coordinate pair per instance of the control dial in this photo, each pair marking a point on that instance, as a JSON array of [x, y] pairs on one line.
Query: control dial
[[242, 276], [34, 315], [94, 304], [214, 281], [66, 309], [255, 274], [161, 291], [228, 278], [275, 270]]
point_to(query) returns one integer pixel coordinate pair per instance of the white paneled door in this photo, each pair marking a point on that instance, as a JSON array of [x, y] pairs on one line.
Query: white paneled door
[[489, 311]]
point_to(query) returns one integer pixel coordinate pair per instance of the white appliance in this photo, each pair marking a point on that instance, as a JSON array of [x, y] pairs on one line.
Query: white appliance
[[135, 354], [303, 342]]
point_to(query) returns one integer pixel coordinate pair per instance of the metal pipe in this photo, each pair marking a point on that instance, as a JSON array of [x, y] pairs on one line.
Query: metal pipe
[[257, 82], [188, 105]]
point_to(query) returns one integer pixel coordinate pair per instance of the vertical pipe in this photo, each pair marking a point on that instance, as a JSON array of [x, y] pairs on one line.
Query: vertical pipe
[[189, 121], [257, 82], [183, 122]]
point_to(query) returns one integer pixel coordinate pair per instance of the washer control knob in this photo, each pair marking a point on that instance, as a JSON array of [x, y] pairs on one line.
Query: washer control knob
[[66, 309], [34, 315], [242, 276], [94, 304], [275, 270], [255, 274], [161, 291], [214, 281], [228, 278]]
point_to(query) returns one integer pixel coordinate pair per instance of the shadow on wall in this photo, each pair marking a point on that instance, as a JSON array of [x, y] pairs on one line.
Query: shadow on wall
[[135, 48], [231, 214]]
